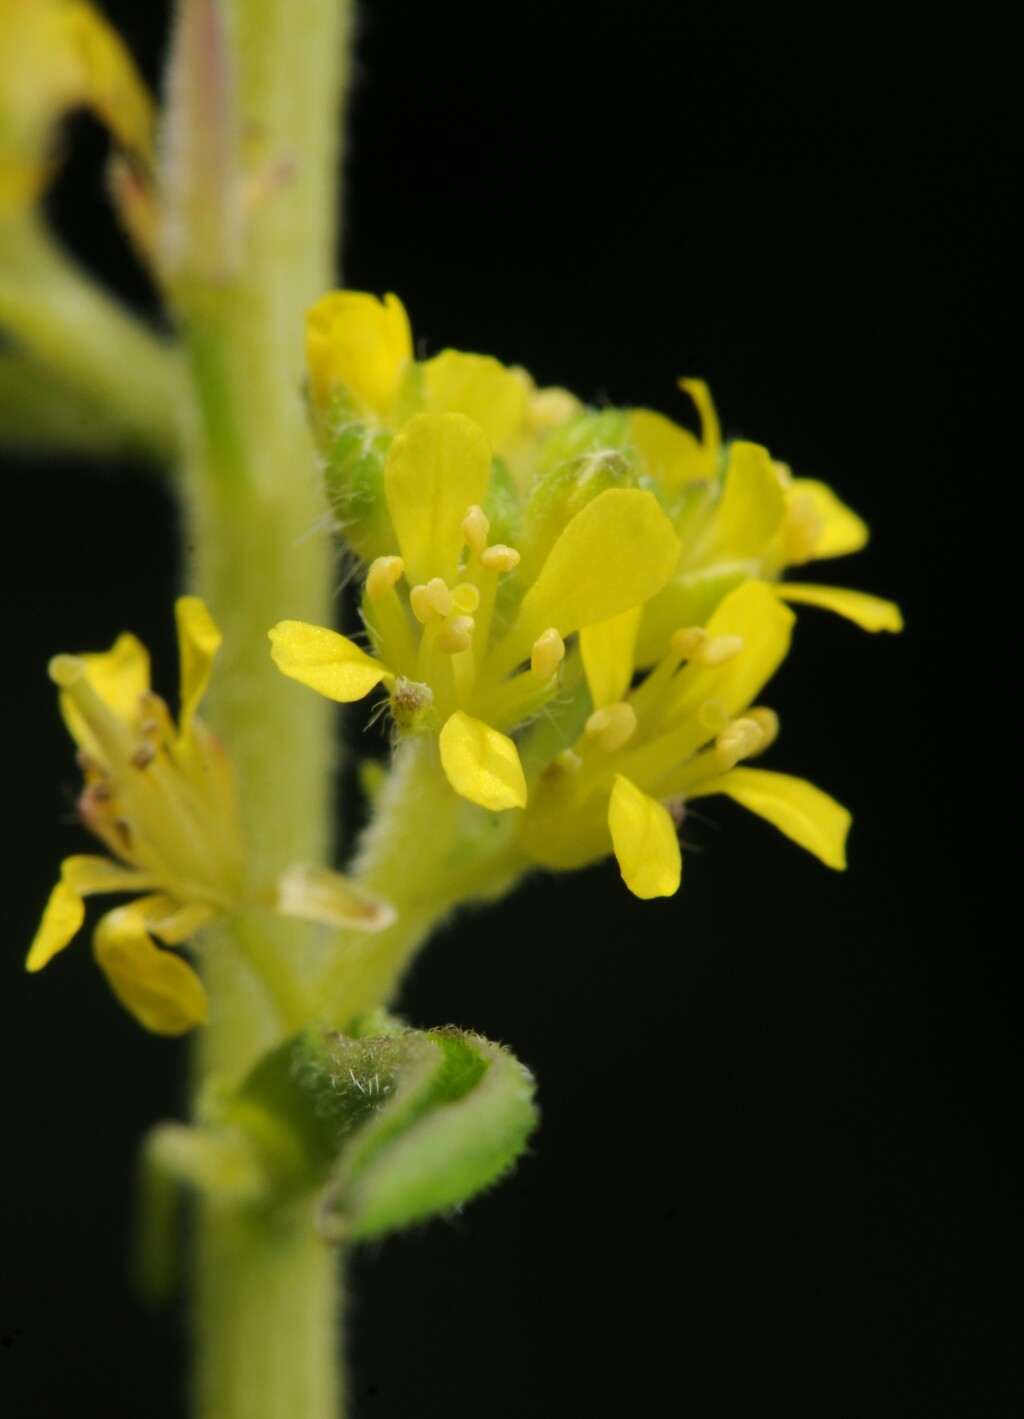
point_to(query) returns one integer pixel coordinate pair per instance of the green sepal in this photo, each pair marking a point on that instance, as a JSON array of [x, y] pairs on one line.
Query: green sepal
[[354, 484], [560, 492]]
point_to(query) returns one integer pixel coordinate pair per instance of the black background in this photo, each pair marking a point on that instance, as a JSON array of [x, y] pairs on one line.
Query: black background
[[773, 1168]]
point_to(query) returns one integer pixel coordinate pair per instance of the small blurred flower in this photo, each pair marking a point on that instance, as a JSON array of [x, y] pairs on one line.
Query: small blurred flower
[[59, 55], [161, 799]]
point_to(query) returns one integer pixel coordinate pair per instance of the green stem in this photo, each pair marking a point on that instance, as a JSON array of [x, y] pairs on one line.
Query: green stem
[[426, 851], [120, 375], [273, 73]]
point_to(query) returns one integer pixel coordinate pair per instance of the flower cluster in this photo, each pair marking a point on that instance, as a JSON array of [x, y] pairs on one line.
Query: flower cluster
[[581, 605]]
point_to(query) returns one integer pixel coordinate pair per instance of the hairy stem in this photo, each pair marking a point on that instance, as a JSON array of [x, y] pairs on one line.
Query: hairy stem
[[252, 163]]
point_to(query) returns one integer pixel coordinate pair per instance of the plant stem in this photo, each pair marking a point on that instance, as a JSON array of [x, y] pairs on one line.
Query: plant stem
[[265, 1309]]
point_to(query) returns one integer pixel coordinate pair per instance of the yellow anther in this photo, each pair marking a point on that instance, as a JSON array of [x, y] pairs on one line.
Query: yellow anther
[[66, 670], [612, 726], [499, 557], [768, 723], [713, 716], [475, 527], [431, 601], [547, 654], [739, 741], [689, 641], [550, 407], [383, 574], [456, 634], [567, 761], [465, 598], [720, 651]]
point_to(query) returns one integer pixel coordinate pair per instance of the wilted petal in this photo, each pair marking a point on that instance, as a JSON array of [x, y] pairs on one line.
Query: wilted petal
[[158, 987]]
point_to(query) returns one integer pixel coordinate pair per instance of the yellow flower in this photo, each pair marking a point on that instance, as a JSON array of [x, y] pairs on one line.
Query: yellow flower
[[738, 514], [160, 797], [360, 348], [679, 735], [465, 644], [59, 55]]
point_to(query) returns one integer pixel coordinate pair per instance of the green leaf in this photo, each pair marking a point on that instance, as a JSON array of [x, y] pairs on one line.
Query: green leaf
[[456, 1125], [380, 1128]]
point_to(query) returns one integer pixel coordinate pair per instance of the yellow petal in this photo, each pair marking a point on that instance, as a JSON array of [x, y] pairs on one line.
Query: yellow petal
[[328, 663], [645, 842], [804, 813], [710, 432], [110, 83], [198, 643], [65, 911], [841, 530], [482, 388], [871, 613], [607, 650], [614, 554], [481, 764], [158, 987], [672, 455], [360, 343], [437, 466], [753, 502], [174, 922], [118, 676], [314, 893], [753, 612]]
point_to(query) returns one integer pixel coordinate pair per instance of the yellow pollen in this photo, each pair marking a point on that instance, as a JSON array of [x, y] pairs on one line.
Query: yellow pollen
[[689, 641], [739, 741], [768, 723], [499, 557], [720, 650], [475, 527], [456, 634], [431, 601], [465, 598], [612, 726], [383, 574], [65, 670], [547, 654]]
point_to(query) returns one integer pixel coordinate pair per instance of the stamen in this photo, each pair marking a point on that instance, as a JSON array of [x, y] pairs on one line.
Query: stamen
[[383, 574], [720, 651], [144, 754], [465, 598], [456, 634], [568, 761], [612, 726], [499, 557], [713, 716], [739, 741], [547, 654], [694, 643], [768, 723], [475, 527], [689, 641], [66, 670], [431, 601]]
